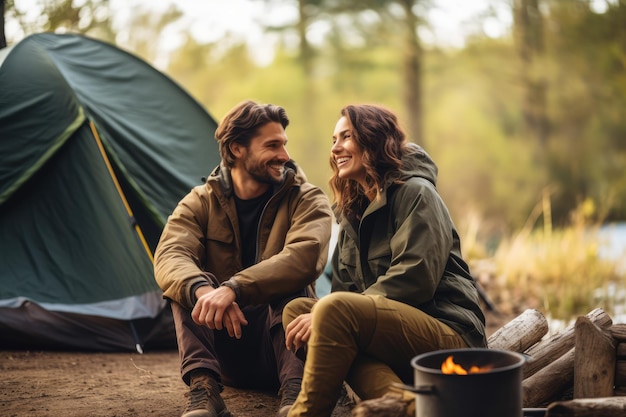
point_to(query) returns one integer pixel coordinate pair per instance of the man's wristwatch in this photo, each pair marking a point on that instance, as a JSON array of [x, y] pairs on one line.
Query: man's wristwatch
[[232, 284]]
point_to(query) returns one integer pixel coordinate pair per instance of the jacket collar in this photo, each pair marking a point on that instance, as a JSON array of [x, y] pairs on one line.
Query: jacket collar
[[376, 204], [415, 163]]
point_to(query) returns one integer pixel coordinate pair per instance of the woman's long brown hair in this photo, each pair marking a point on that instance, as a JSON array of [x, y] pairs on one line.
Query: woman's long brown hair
[[377, 132]]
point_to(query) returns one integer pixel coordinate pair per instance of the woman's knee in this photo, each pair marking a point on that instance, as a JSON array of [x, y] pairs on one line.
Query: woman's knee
[[343, 302], [295, 307], [352, 312]]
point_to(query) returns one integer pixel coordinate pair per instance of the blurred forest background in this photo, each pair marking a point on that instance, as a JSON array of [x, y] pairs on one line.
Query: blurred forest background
[[527, 123]]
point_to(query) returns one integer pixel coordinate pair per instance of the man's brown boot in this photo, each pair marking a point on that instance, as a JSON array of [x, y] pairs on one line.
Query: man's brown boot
[[288, 394], [204, 397]]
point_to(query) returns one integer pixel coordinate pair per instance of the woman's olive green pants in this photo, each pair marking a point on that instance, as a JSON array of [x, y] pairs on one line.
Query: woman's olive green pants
[[366, 340]]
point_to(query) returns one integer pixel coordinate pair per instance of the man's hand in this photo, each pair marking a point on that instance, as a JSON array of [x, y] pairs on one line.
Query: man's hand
[[298, 332], [217, 309]]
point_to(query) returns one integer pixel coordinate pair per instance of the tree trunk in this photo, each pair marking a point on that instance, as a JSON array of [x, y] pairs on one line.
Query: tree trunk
[[412, 74], [309, 100], [306, 53], [3, 38], [529, 41]]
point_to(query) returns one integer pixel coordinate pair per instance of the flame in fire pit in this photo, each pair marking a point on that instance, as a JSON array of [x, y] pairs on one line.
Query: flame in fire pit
[[449, 367]]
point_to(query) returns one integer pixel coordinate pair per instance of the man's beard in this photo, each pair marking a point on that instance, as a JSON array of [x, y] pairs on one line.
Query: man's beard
[[261, 172]]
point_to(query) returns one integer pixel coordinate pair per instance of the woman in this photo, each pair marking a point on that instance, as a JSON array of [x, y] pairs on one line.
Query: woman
[[399, 285]]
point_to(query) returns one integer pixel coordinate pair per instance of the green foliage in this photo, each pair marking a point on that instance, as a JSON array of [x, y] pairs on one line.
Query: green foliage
[[146, 30], [472, 97], [587, 76], [486, 168], [92, 18]]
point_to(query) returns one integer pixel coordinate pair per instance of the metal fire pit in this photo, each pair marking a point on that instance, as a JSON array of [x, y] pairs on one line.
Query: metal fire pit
[[496, 392]]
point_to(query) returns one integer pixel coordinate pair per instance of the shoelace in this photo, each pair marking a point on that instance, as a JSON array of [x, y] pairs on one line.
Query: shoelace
[[289, 393], [198, 398]]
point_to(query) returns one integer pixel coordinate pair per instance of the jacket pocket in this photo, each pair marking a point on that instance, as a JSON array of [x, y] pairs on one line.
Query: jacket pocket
[[219, 233], [348, 258], [379, 259]]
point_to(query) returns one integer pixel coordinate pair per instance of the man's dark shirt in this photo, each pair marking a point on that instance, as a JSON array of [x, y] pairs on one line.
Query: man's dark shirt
[[249, 213]]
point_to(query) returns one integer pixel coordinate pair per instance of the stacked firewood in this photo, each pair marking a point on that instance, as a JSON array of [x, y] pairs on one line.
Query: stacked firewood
[[577, 372], [618, 331]]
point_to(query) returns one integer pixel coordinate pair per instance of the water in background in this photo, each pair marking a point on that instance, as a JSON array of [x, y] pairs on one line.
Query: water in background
[[612, 239], [611, 298]]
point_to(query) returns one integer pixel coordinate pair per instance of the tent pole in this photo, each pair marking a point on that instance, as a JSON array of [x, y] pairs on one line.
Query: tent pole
[[119, 190], [138, 346]]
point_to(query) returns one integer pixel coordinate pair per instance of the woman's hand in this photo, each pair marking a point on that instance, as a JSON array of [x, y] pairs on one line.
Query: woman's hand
[[298, 332]]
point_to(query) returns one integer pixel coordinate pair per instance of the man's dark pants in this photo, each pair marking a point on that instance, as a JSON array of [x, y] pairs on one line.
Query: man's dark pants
[[259, 360]]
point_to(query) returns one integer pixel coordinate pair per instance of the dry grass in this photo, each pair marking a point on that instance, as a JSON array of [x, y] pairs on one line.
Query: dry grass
[[559, 271]]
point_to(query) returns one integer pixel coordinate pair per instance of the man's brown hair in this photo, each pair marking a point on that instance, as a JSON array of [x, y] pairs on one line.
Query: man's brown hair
[[241, 124]]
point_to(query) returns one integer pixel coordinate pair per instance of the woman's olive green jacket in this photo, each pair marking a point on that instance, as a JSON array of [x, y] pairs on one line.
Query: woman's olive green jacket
[[406, 248]]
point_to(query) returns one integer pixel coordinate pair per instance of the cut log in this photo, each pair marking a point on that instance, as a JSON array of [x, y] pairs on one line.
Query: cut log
[[588, 407], [594, 363], [520, 333], [546, 385], [549, 372], [620, 366], [550, 349], [619, 332], [620, 374]]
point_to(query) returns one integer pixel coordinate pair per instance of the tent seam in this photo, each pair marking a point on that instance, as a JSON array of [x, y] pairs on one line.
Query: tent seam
[[58, 143]]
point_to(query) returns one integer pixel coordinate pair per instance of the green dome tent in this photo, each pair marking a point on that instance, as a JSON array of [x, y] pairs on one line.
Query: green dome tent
[[96, 149]]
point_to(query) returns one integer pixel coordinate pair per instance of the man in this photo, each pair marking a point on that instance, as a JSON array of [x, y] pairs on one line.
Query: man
[[233, 253]]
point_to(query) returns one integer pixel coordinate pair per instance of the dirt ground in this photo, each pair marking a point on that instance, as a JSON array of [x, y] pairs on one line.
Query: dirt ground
[[80, 384]]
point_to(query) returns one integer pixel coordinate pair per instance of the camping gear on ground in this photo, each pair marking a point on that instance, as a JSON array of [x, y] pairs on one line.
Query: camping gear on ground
[[96, 149]]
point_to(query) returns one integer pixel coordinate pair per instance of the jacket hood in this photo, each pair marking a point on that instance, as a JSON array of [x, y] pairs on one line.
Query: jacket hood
[[417, 163], [221, 174]]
